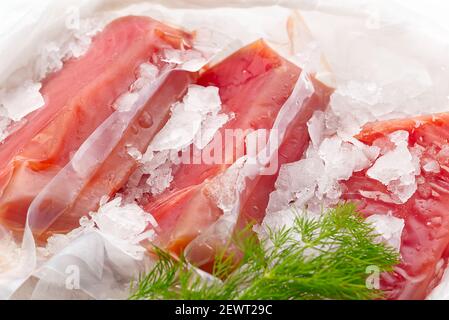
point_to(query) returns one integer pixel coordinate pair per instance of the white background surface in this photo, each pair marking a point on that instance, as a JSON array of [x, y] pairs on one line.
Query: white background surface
[[437, 10]]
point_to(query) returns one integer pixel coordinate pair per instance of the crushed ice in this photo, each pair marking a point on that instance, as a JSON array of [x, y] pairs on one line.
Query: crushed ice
[[398, 168], [195, 121], [314, 182], [16, 103], [389, 229], [432, 166], [23, 98], [199, 109], [76, 42], [147, 73], [9, 251], [190, 60], [5, 122], [224, 188], [124, 225]]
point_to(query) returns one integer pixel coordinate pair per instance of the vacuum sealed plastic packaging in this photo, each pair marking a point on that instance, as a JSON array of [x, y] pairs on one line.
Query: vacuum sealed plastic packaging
[[89, 176]]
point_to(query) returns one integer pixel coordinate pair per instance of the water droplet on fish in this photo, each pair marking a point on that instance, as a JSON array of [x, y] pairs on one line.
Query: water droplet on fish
[[146, 120]]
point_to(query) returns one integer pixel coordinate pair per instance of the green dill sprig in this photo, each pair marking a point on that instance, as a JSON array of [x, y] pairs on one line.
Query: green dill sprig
[[318, 258]]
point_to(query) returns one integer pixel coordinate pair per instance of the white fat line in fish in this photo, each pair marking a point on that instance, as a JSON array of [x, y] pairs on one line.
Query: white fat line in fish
[[220, 232]]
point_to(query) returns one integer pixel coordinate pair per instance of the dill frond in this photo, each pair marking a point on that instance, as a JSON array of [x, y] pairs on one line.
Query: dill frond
[[317, 258]]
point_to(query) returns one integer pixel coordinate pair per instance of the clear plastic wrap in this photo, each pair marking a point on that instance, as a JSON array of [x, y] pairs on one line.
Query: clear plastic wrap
[[387, 62], [229, 188]]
